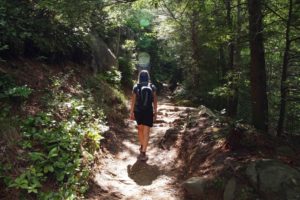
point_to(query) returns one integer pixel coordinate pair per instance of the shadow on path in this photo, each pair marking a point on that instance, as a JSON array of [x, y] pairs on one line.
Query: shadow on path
[[143, 173], [120, 175]]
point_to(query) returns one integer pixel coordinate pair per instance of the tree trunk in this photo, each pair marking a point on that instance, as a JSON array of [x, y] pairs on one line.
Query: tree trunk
[[222, 59], [232, 100], [283, 90], [236, 61], [195, 37], [257, 67], [195, 48]]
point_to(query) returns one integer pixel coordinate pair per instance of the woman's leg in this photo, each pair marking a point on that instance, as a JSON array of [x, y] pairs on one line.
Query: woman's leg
[[141, 134], [146, 130]]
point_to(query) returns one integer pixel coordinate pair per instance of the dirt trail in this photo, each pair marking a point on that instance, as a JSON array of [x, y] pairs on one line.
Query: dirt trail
[[122, 176]]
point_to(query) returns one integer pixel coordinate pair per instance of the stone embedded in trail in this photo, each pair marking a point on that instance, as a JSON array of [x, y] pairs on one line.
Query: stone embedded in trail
[[206, 112], [274, 180], [182, 115], [196, 186], [176, 109], [188, 110], [169, 138], [160, 121]]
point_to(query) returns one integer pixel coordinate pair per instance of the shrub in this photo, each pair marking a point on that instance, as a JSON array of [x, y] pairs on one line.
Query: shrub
[[60, 143]]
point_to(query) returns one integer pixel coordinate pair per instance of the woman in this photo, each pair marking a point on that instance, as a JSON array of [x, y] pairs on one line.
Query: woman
[[144, 109]]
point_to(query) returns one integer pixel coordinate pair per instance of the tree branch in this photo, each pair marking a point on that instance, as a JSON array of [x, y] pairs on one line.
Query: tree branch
[[171, 13], [114, 2], [294, 39], [278, 15]]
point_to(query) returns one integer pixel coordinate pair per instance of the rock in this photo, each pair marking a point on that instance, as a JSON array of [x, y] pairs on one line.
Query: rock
[[160, 121], [196, 186], [192, 122], [103, 58], [169, 138], [183, 115], [285, 151], [160, 113], [274, 180], [178, 122], [171, 132], [235, 138], [176, 109], [205, 112], [252, 173], [230, 189]]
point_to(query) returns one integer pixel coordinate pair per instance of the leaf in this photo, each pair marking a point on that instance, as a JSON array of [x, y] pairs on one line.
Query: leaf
[[32, 190], [34, 156], [48, 168], [4, 47], [53, 152], [51, 169], [60, 176]]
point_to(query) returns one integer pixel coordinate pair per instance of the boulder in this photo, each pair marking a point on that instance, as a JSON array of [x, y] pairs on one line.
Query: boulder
[[230, 190], [103, 58], [285, 151], [196, 186], [274, 180]]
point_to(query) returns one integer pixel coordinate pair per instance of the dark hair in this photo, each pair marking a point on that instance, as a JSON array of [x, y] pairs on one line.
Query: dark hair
[[144, 76]]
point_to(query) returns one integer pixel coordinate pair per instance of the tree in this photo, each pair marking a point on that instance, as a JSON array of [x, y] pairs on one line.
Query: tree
[[233, 99], [257, 67], [283, 83]]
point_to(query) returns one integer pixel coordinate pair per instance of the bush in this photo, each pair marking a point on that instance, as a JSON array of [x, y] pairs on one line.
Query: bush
[[59, 143], [126, 68], [113, 77], [9, 91], [107, 97]]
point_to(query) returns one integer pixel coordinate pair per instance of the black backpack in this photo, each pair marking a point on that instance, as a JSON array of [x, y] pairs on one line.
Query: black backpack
[[145, 96]]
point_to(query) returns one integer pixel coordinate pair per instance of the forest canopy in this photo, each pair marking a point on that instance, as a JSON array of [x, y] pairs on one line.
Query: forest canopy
[[215, 49]]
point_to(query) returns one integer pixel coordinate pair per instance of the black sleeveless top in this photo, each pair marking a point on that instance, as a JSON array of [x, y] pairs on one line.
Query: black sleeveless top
[[135, 91]]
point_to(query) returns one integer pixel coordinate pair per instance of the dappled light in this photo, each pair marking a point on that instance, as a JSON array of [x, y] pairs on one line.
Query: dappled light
[[149, 100]]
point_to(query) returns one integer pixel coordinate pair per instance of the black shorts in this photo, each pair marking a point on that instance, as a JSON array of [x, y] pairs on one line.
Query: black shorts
[[144, 118]]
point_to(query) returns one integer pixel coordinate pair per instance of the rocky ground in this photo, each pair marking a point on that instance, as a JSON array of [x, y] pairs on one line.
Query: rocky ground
[[194, 154], [121, 175]]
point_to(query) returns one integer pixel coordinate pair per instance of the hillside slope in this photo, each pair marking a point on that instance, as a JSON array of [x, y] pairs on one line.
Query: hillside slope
[[52, 120]]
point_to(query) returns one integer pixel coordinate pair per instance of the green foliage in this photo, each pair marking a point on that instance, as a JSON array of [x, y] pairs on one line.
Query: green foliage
[[21, 91], [60, 143], [233, 81], [4, 168], [55, 30], [129, 45], [112, 77], [109, 98], [9, 89], [139, 19], [126, 67], [29, 180]]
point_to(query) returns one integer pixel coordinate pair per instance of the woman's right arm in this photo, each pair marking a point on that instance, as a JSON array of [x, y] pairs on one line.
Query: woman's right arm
[[133, 98]]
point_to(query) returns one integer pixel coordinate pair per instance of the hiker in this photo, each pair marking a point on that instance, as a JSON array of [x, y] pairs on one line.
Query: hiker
[[143, 109]]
